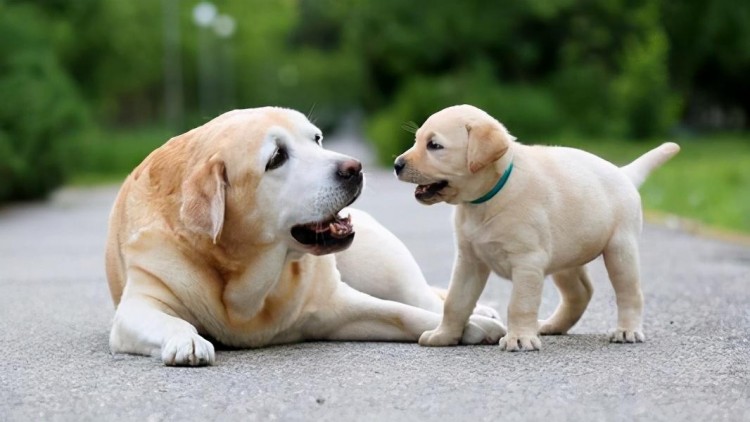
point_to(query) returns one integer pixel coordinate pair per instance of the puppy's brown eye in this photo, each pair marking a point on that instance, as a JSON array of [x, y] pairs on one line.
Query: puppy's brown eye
[[318, 138], [433, 146], [278, 158]]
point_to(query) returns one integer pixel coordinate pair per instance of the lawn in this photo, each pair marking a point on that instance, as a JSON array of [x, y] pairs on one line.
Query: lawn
[[111, 155], [709, 180]]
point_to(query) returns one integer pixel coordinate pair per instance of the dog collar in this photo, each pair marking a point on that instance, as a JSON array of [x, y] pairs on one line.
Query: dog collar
[[495, 189]]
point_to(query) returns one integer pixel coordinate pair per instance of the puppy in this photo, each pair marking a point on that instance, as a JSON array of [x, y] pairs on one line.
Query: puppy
[[235, 231], [524, 212]]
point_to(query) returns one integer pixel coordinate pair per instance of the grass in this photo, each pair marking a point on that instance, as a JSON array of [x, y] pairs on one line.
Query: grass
[[109, 156], [709, 180]]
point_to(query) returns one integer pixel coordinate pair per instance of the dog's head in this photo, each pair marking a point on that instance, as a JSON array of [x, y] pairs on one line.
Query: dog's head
[[261, 176], [451, 150]]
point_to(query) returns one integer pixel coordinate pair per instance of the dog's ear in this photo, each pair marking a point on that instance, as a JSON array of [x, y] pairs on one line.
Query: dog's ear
[[204, 199], [487, 143]]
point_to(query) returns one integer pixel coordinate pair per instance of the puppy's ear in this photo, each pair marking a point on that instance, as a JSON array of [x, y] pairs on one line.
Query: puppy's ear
[[204, 199], [487, 143]]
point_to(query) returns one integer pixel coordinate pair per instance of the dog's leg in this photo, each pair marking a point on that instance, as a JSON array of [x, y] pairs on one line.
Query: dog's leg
[[379, 264], [146, 323], [621, 260], [575, 290], [523, 310], [141, 328], [353, 315], [468, 281]]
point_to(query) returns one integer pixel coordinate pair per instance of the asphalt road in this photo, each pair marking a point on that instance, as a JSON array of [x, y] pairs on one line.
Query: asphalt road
[[55, 313]]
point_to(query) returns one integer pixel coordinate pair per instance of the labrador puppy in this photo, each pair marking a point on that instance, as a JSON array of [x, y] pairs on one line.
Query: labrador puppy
[[524, 212], [235, 231]]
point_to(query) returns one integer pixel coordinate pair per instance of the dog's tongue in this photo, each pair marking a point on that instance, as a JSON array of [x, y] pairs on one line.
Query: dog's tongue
[[430, 188], [341, 227], [338, 226]]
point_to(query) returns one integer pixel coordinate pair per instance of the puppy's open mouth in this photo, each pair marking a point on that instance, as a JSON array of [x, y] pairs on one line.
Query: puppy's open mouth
[[423, 192], [327, 236]]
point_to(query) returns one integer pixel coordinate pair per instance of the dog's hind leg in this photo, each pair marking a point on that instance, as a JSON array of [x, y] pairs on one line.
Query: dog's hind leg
[[355, 316], [621, 260], [575, 290]]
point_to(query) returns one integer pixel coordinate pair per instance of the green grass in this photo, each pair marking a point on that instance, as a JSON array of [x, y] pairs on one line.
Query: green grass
[[709, 180], [110, 155]]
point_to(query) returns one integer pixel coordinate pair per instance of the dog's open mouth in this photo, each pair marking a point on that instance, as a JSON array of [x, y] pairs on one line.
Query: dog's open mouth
[[333, 234], [423, 192]]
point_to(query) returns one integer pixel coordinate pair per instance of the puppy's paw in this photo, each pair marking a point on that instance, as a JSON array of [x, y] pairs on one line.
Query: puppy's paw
[[188, 349], [439, 338], [482, 330], [486, 311], [627, 336], [552, 328], [520, 342]]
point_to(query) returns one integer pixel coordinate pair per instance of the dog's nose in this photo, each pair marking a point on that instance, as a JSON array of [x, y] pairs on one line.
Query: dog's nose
[[399, 165], [349, 169]]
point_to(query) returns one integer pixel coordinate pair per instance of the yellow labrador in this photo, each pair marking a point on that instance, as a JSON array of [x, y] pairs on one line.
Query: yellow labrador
[[230, 230], [525, 212]]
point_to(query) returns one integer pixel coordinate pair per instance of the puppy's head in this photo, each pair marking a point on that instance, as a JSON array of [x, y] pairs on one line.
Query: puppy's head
[[261, 177], [451, 149]]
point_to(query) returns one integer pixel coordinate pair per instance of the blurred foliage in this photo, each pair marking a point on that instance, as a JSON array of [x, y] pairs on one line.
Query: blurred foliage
[[74, 71], [41, 113]]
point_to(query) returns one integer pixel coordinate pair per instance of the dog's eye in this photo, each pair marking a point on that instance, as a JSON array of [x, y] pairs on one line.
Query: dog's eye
[[278, 158], [434, 146], [318, 137]]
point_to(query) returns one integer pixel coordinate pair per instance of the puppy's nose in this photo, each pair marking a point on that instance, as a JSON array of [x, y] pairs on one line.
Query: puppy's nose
[[399, 165], [349, 169]]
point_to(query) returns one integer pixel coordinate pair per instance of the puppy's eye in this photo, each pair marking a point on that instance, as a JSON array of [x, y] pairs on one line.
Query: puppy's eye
[[318, 138], [278, 158], [433, 146]]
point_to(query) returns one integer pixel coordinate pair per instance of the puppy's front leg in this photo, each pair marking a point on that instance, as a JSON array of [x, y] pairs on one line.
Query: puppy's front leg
[[523, 310], [468, 281]]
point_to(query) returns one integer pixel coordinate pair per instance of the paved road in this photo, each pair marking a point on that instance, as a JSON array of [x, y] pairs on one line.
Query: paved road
[[55, 313]]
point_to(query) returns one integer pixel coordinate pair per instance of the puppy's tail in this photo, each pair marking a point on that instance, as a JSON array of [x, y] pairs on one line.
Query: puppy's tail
[[639, 169]]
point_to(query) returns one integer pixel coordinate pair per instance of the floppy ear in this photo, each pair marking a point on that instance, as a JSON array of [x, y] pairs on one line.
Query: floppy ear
[[203, 199], [487, 143]]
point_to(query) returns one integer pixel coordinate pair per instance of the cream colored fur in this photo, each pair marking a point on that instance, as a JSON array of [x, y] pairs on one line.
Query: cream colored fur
[[560, 209], [200, 247]]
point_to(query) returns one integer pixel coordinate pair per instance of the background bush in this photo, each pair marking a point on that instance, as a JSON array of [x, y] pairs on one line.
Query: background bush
[[42, 117], [635, 69]]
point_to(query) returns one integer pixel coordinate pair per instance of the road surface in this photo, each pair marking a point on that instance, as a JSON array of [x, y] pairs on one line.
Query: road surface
[[55, 313]]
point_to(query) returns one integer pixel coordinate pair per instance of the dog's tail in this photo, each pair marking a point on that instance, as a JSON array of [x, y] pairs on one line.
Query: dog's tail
[[639, 169]]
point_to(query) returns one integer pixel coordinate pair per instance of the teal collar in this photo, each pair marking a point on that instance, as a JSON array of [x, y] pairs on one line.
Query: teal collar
[[495, 189]]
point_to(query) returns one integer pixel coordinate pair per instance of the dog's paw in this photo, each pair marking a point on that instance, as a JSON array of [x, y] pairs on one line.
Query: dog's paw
[[482, 330], [438, 338], [551, 328], [520, 342], [627, 336], [188, 350], [486, 311]]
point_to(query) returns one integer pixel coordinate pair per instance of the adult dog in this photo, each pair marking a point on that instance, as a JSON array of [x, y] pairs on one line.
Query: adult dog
[[230, 230], [525, 212]]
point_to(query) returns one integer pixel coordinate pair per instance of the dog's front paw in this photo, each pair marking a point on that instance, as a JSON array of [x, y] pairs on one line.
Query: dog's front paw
[[187, 349], [438, 338], [482, 330], [513, 342], [627, 336]]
